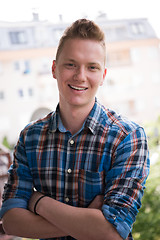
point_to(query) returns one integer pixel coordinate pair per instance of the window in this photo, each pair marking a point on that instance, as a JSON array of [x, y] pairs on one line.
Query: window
[[136, 55], [26, 67], [115, 33], [17, 66], [1, 95], [22, 66], [137, 28], [20, 93], [18, 37], [30, 92]]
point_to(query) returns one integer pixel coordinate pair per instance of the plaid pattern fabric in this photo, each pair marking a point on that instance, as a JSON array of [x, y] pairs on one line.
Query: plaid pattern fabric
[[107, 156]]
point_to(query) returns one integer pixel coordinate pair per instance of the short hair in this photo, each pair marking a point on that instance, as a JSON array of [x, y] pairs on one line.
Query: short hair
[[83, 29]]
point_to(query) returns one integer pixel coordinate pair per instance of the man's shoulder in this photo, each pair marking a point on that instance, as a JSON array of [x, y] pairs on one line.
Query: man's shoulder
[[116, 122], [40, 124]]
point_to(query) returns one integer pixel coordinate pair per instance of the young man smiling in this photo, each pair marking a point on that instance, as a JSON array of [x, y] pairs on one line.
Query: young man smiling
[[87, 164], [79, 70]]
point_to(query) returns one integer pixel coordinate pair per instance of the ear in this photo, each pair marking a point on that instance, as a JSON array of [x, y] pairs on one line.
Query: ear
[[53, 69], [104, 75]]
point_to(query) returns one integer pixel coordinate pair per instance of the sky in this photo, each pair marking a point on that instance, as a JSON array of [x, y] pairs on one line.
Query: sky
[[21, 10]]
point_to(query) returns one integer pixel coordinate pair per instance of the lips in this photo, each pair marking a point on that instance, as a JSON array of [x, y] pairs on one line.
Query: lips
[[77, 88]]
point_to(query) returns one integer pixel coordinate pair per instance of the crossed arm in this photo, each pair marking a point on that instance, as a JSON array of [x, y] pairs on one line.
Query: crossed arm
[[57, 219]]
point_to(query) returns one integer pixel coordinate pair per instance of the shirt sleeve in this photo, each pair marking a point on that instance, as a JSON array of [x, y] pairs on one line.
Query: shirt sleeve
[[125, 182], [18, 189], [12, 203]]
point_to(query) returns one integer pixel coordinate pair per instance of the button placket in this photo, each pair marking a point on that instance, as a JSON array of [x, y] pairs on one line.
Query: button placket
[[68, 171], [66, 199], [71, 141]]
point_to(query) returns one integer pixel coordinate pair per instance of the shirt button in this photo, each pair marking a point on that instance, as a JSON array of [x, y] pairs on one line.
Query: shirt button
[[71, 141], [114, 217], [69, 170], [66, 199]]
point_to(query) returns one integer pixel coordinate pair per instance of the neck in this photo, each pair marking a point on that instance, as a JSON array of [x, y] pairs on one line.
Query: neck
[[73, 117]]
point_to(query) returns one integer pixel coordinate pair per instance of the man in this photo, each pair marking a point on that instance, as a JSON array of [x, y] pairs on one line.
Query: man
[[87, 165]]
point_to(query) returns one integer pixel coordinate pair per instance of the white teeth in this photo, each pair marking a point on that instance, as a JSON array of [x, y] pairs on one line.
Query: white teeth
[[77, 88]]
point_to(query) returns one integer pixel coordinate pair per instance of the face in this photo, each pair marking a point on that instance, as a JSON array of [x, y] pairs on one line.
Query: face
[[79, 71]]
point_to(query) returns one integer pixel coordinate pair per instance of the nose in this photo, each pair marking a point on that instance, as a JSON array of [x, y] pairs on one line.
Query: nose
[[80, 74]]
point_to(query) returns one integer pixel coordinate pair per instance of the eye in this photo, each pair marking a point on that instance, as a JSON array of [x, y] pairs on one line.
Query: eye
[[93, 68], [70, 65]]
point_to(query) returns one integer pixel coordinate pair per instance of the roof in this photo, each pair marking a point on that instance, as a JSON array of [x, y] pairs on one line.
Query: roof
[[34, 34]]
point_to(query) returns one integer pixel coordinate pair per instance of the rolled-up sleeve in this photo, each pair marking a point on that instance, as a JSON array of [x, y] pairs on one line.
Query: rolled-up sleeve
[[12, 203], [18, 189], [125, 181]]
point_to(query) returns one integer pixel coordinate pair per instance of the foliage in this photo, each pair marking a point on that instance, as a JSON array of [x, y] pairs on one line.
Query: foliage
[[6, 143], [153, 133], [147, 225]]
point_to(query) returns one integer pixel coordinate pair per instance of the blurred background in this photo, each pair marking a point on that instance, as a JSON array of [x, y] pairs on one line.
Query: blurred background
[[29, 35]]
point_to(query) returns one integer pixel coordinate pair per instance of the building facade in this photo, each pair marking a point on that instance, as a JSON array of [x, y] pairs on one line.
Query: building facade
[[28, 91]]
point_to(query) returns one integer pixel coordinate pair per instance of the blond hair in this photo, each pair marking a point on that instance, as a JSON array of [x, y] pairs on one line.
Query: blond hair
[[83, 29]]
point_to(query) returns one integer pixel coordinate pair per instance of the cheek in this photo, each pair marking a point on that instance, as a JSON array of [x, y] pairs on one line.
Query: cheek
[[64, 74], [97, 80], [62, 80], [60, 77]]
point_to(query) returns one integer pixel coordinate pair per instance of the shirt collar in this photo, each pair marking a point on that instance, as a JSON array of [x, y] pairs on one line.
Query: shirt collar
[[53, 126], [92, 121]]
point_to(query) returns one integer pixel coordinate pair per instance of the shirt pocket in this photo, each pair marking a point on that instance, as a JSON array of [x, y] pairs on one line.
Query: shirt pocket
[[90, 184]]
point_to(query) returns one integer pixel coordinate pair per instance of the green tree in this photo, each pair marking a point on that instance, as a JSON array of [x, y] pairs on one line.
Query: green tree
[[6, 143], [147, 225]]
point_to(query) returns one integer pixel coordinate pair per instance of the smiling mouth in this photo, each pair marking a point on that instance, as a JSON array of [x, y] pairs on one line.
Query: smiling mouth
[[77, 88]]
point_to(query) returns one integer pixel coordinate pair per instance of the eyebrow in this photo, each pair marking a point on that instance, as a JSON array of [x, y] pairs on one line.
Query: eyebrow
[[89, 63], [69, 59]]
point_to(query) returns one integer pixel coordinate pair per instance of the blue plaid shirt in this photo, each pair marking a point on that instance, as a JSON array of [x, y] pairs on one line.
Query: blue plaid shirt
[[108, 156]]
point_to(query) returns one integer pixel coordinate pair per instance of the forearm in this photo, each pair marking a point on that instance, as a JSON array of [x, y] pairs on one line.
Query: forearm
[[23, 223], [80, 223]]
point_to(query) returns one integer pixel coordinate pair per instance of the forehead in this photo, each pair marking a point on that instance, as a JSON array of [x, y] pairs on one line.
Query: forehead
[[82, 49]]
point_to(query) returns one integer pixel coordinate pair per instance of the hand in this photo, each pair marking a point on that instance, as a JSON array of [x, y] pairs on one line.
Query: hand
[[97, 202], [34, 198]]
